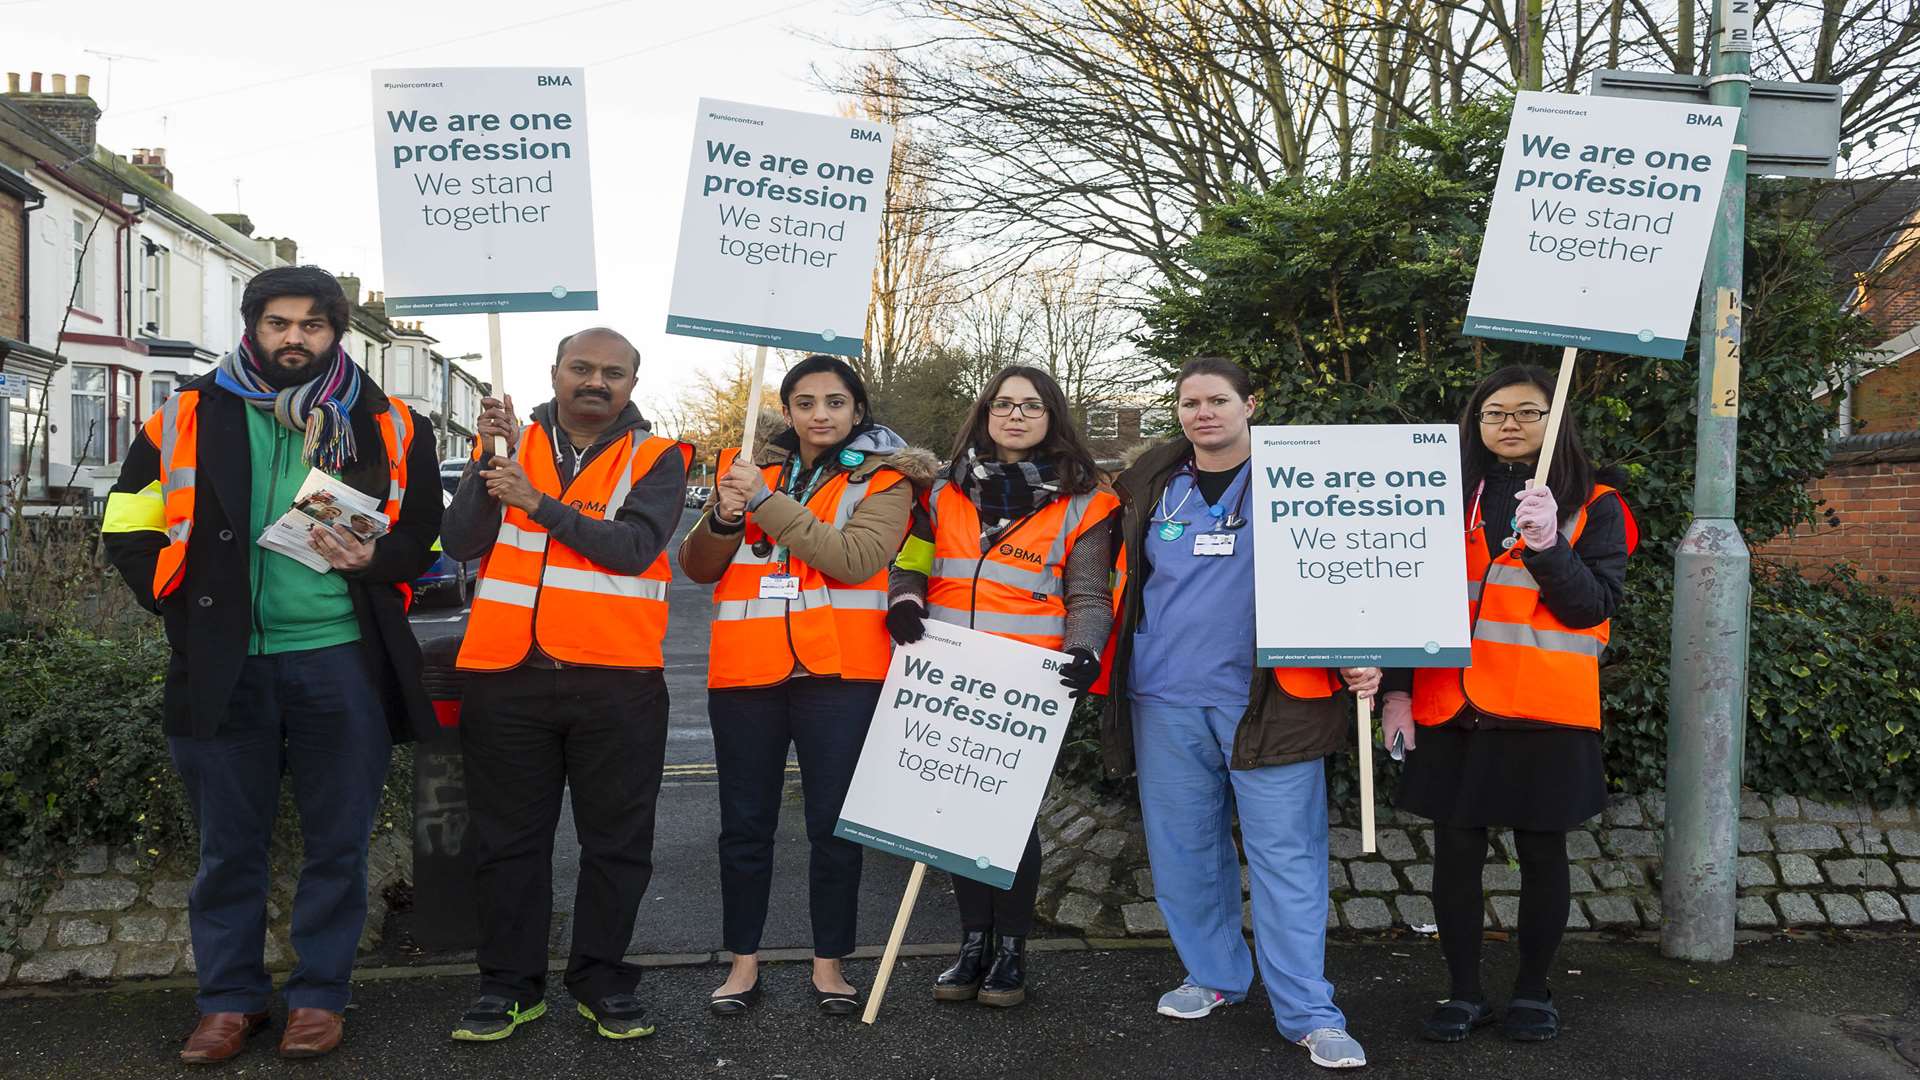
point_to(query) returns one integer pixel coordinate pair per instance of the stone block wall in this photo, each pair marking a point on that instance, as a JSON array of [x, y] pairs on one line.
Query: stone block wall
[[110, 916], [1801, 864]]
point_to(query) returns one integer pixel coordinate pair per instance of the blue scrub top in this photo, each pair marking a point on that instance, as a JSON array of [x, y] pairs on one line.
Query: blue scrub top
[[1194, 644]]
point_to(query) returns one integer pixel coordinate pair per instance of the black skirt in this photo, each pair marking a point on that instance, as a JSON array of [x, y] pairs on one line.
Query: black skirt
[[1545, 779]]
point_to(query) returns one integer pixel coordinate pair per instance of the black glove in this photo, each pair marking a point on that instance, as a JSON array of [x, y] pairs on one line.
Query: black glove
[[906, 622], [1080, 674]]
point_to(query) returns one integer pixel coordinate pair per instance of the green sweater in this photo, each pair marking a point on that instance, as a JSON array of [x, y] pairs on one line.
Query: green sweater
[[294, 607]]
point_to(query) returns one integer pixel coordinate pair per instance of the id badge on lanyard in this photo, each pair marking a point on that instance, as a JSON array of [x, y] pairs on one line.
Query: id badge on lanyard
[[1213, 543], [780, 586]]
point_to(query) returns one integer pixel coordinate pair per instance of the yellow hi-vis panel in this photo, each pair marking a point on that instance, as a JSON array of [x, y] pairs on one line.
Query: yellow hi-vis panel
[[137, 511]]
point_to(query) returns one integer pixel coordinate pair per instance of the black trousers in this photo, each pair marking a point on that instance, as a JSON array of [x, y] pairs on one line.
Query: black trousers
[[825, 721], [1459, 855], [525, 736], [1004, 911]]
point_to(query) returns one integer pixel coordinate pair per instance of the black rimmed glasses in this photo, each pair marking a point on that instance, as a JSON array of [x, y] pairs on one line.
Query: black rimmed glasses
[[1032, 410], [1496, 417]]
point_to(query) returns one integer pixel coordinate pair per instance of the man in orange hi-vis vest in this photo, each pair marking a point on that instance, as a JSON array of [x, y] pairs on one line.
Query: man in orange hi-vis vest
[[566, 689], [299, 665]]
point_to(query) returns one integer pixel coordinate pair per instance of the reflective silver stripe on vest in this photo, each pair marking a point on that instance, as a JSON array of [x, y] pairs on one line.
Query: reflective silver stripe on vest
[[623, 485], [402, 434], [994, 622], [1507, 633], [741, 610], [1032, 581], [593, 581], [851, 496], [524, 539], [1508, 574], [1473, 590], [506, 592], [858, 599]]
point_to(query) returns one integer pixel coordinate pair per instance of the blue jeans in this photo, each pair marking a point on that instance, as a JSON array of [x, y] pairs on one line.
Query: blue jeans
[[316, 715], [1187, 800]]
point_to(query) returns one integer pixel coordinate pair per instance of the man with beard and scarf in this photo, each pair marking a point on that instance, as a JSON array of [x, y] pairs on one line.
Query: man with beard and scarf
[[277, 667], [567, 690]]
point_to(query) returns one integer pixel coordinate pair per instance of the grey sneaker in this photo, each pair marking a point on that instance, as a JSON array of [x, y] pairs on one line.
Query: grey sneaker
[[1190, 1002], [1333, 1048]]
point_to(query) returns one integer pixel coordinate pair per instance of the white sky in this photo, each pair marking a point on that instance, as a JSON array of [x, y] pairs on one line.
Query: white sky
[[277, 98]]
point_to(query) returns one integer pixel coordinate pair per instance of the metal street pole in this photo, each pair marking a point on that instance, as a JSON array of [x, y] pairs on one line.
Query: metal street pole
[[1707, 703]]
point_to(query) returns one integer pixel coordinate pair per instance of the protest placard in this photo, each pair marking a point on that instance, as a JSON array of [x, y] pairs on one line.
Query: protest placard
[[485, 203], [780, 228], [956, 761], [1359, 556], [1361, 526], [1600, 222]]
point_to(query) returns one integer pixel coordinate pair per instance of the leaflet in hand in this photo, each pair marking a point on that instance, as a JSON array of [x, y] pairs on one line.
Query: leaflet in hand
[[322, 500]]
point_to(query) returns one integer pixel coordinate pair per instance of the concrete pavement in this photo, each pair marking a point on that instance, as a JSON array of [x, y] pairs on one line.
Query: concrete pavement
[[1790, 1009]]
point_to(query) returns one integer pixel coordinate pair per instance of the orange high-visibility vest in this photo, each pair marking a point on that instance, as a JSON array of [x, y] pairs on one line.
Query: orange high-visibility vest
[[1307, 684], [834, 627], [175, 430], [1526, 664], [535, 590], [1015, 587]]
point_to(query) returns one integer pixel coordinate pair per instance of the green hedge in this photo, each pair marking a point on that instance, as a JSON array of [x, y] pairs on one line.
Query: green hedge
[[83, 761]]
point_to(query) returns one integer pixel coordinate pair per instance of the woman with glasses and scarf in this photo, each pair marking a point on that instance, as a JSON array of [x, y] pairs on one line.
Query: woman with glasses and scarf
[[1013, 540], [798, 546], [1513, 741]]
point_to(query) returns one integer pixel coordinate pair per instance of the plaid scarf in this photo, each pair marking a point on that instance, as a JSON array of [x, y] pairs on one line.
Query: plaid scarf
[[317, 407], [1004, 491]]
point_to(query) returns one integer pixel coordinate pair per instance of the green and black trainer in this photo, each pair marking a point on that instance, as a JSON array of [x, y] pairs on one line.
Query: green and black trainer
[[618, 1016], [492, 1018]]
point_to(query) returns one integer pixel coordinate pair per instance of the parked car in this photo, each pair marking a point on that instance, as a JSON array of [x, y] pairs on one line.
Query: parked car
[[697, 495], [447, 581]]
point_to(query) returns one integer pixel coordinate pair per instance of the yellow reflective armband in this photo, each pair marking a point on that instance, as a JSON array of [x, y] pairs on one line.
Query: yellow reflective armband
[[136, 511], [916, 555]]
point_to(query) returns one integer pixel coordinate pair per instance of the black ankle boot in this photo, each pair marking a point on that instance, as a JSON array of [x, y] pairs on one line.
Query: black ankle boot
[[1006, 981], [962, 981]]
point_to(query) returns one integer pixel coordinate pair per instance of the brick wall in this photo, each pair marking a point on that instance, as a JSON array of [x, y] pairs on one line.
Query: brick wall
[[1872, 494], [1889, 399], [13, 281]]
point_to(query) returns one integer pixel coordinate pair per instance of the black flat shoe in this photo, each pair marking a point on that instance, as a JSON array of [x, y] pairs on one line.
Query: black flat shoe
[[834, 1003], [1006, 981], [731, 1004], [962, 981], [1530, 1020], [1455, 1020]]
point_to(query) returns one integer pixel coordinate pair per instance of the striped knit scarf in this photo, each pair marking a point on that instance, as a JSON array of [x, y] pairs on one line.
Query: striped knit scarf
[[318, 407]]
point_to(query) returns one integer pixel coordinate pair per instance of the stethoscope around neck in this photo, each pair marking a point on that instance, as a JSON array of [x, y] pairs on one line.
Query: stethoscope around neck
[[1222, 517]]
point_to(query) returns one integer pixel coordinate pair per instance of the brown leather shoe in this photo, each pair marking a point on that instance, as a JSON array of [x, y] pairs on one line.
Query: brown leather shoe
[[219, 1036], [311, 1033]]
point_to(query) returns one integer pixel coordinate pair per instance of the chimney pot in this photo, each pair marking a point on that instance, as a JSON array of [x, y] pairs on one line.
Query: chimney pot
[[33, 84], [59, 83], [83, 85], [13, 82]]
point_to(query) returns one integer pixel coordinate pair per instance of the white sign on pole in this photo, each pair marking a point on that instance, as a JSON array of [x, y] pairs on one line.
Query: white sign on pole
[[1600, 223], [12, 386], [780, 228], [1359, 546], [960, 752], [485, 200]]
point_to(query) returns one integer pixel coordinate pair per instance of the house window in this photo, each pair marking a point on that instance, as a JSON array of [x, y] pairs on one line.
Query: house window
[[400, 358], [23, 423], [83, 295], [154, 266], [125, 415], [1103, 424], [89, 431], [1156, 422], [161, 388]]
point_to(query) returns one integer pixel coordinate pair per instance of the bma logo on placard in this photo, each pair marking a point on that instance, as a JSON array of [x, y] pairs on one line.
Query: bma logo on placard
[[859, 135], [1429, 437], [1700, 120], [556, 80]]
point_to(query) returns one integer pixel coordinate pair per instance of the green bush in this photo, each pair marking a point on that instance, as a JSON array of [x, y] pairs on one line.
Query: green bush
[[83, 761], [1345, 299]]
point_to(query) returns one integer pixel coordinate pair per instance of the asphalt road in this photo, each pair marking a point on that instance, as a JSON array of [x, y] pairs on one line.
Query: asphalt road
[[682, 910], [1795, 1010]]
